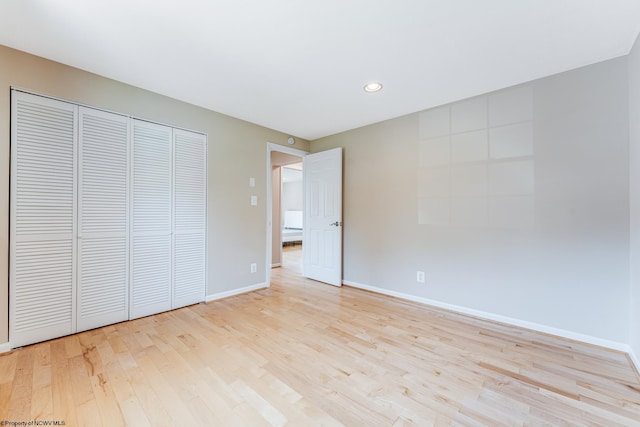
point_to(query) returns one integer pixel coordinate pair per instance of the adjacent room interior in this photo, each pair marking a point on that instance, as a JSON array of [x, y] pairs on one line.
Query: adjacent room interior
[[287, 205], [173, 219]]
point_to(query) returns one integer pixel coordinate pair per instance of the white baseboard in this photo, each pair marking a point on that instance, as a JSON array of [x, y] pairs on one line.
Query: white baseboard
[[5, 347], [634, 359], [277, 264], [588, 339], [238, 291]]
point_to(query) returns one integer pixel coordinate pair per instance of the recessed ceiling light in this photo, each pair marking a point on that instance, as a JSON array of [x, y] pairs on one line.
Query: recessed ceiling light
[[373, 87]]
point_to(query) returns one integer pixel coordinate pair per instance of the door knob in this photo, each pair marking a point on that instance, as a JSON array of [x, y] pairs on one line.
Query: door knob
[[337, 223]]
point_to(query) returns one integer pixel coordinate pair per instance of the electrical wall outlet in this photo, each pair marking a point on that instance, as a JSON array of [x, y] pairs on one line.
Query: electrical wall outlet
[[254, 267], [420, 276]]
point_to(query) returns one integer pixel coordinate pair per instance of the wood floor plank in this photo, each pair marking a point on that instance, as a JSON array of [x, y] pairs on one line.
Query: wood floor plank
[[7, 373], [305, 353], [64, 406], [148, 400], [41, 401], [22, 387], [105, 399], [164, 390]]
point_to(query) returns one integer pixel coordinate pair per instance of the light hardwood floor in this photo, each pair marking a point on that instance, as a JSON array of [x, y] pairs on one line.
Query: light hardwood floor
[[302, 353]]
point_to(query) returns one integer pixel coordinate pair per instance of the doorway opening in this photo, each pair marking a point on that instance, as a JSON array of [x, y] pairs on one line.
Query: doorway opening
[[291, 214], [285, 209], [322, 213]]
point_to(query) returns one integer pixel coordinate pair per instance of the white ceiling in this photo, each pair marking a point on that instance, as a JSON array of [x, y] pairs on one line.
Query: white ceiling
[[299, 66]]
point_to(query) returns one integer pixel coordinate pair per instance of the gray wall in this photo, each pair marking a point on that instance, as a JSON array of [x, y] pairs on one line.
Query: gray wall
[[236, 151], [514, 203], [634, 136]]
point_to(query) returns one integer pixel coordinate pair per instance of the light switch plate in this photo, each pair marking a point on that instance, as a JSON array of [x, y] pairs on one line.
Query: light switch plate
[[252, 182], [254, 200]]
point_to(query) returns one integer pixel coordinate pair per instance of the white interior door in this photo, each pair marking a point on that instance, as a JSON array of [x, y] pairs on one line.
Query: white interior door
[[151, 271], [322, 229], [103, 193], [190, 218], [43, 218]]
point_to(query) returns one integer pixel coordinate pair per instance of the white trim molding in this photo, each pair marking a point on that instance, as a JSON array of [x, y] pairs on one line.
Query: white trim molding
[[5, 347], [563, 333], [233, 292], [634, 359]]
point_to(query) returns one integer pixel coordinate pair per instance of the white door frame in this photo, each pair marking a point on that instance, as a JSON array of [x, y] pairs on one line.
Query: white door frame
[[283, 149]]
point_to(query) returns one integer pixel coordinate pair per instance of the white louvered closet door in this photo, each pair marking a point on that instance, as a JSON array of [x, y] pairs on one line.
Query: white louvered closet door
[[42, 264], [190, 210], [151, 219], [103, 197]]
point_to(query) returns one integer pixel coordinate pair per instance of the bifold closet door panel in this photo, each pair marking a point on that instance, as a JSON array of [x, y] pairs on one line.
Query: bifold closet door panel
[[190, 217], [103, 198], [151, 261], [42, 253]]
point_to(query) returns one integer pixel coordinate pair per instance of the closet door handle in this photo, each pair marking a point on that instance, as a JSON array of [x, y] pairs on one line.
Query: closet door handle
[[337, 223]]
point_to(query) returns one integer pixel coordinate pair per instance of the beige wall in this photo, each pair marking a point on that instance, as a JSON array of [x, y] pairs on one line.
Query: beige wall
[[236, 152], [513, 203]]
